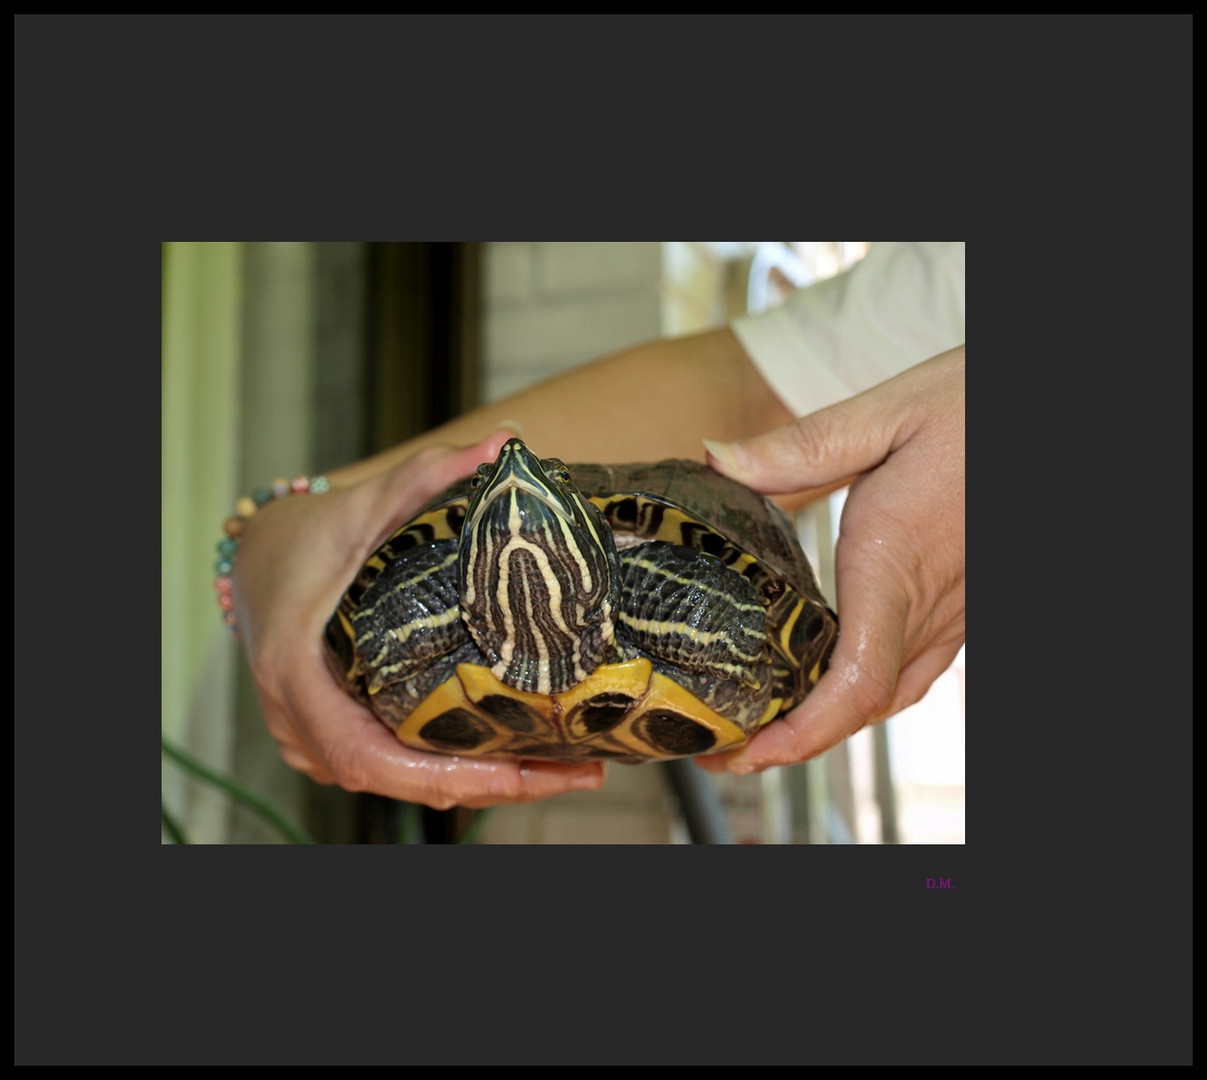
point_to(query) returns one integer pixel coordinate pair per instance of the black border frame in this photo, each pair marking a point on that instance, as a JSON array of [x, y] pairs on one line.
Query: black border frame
[[1062, 144]]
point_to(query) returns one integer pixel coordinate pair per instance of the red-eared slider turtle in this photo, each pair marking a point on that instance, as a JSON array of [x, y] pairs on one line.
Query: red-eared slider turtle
[[618, 612]]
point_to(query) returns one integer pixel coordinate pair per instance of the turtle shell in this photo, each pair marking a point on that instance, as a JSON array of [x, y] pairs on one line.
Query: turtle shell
[[714, 624]]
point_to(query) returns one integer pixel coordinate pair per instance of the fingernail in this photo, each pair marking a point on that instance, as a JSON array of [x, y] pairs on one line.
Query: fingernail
[[513, 426], [727, 455], [589, 780]]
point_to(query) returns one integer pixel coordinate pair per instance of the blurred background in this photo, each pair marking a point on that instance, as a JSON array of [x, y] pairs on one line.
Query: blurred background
[[287, 358]]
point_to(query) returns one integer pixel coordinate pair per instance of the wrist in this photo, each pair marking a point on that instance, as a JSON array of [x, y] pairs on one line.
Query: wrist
[[246, 507]]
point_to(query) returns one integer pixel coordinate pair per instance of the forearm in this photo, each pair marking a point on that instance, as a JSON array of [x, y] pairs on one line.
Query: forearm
[[653, 401]]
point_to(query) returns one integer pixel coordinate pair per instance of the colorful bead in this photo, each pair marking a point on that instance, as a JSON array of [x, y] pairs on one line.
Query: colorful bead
[[245, 508]]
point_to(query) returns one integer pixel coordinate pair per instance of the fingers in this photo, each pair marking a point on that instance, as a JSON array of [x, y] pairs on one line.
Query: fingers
[[830, 446], [822, 450], [858, 687], [816, 453], [371, 759], [899, 562], [319, 729], [430, 471], [404, 489], [918, 675], [901, 619], [336, 741], [847, 699]]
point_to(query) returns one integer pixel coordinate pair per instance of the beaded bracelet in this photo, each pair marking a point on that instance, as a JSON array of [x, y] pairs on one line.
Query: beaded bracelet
[[245, 509]]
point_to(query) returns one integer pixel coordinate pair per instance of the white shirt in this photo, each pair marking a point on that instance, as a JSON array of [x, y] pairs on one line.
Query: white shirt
[[899, 305]]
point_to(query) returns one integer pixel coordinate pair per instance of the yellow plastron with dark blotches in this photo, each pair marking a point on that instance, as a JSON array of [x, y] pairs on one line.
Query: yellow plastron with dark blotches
[[627, 613], [624, 712]]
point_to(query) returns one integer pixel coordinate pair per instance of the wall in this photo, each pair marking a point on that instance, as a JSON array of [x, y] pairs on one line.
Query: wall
[[550, 306]]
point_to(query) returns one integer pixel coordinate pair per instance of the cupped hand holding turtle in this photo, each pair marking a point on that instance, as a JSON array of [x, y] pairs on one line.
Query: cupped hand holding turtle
[[899, 562], [295, 559]]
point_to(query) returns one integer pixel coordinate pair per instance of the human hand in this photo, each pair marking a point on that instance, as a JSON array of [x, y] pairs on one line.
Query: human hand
[[296, 556], [899, 559]]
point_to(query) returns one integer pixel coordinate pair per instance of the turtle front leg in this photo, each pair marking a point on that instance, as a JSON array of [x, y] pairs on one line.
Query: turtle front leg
[[407, 632], [701, 624]]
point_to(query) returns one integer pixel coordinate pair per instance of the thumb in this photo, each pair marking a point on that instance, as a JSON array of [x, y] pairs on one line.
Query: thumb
[[401, 491], [821, 451]]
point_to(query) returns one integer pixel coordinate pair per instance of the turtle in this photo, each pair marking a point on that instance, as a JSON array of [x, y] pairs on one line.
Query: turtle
[[628, 613]]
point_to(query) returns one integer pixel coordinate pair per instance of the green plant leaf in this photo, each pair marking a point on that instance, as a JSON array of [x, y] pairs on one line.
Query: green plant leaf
[[171, 825], [237, 791]]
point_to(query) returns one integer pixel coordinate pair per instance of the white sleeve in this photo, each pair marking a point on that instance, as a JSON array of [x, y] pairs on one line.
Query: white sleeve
[[899, 305]]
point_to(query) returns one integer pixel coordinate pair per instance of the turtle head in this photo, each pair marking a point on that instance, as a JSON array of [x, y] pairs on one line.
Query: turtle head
[[538, 573]]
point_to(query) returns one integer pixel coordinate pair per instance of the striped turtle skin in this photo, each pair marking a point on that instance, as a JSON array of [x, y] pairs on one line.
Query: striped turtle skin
[[610, 612]]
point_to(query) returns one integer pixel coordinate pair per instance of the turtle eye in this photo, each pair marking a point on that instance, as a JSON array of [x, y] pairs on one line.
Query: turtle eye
[[483, 472]]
